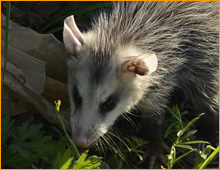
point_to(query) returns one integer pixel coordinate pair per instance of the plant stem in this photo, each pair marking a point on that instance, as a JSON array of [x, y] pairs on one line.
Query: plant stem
[[8, 9], [75, 150]]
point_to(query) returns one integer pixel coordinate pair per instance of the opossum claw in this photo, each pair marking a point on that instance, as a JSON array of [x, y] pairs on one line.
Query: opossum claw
[[153, 159], [151, 156]]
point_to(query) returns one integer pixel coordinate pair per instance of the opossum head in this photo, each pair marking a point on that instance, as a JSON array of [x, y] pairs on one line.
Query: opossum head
[[101, 88]]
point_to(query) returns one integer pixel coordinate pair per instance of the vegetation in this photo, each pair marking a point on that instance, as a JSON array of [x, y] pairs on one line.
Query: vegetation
[[180, 134], [28, 145]]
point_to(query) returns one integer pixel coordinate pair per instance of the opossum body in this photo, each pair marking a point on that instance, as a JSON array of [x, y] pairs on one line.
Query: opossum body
[[136, 55]]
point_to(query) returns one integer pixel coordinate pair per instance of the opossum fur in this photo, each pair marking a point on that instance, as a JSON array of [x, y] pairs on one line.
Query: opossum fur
[[136, 55]]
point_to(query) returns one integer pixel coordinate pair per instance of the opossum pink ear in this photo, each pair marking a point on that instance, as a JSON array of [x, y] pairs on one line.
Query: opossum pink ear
[[72, 37], [144, 64]]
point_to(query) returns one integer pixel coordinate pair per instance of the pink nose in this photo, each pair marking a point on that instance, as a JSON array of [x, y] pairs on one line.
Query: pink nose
[[80, 141]]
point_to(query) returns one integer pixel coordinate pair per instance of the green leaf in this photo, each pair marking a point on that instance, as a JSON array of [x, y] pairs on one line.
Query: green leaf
[[93, 162], [203, 161], [168, 130], [139, 141], [194, 142], [15, 148], [185, 146], [173, 113], [6, 130], [63, 159], [67, 164], [28, 145], [27, 131], [181, 132], [79, 163], [12, 160], [184, 155], [192, 122], [190, 133]]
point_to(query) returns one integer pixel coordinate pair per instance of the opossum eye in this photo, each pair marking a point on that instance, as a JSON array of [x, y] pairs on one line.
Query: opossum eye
[[76, 97], [108, 105]]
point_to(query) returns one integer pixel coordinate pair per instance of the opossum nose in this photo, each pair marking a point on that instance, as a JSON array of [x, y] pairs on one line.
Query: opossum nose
[[81, 142]]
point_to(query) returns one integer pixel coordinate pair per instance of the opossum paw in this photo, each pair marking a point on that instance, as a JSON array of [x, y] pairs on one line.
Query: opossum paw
[[155, 154]]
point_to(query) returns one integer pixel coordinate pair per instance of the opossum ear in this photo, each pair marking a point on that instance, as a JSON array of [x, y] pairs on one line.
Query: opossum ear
[[144, 64], [72, 37]]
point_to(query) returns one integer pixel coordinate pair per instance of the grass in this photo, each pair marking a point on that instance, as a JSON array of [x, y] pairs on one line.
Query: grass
[[66, 12], [8, 12], [181, 134], [28, 146], [75, 150]]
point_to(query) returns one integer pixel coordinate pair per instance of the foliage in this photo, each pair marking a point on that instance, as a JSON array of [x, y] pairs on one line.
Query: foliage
[[6, 38], [129, 151], [75, 150], [205, 158], [71, 9], [23, 145], [182, 145], [93, 162], [178, 134], [65, 160]]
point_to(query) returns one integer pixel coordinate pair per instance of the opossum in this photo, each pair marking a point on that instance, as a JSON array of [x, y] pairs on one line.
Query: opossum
[[135, 56]]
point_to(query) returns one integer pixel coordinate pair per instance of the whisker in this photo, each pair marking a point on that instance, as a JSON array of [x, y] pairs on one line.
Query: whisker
[[120, 140], [129, 120], [106, 139]]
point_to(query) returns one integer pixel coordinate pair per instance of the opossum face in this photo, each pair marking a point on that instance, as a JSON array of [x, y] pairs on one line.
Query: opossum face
[[101, 88]]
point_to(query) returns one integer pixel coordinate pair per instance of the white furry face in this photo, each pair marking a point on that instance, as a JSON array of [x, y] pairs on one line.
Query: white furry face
[[99, 93], [104, 80]]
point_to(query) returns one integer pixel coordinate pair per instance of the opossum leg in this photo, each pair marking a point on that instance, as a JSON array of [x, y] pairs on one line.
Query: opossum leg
[[153, 132], [151, 156]]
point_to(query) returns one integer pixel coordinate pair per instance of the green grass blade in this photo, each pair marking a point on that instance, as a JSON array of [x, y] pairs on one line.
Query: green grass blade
[[192, 122], [190, 133], [55, 30], [181, 132], [203, 161], [169, 129], [90, 8], [184, 155], [8, 11], [172, 112], [185, 147], [194, 142], [79, 12], [210, 158]]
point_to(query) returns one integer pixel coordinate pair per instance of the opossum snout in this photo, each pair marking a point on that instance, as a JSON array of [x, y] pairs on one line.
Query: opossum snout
[[81, 141]]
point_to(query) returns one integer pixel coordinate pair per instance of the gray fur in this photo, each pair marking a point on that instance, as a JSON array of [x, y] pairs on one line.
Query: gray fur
[[183, 35]]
